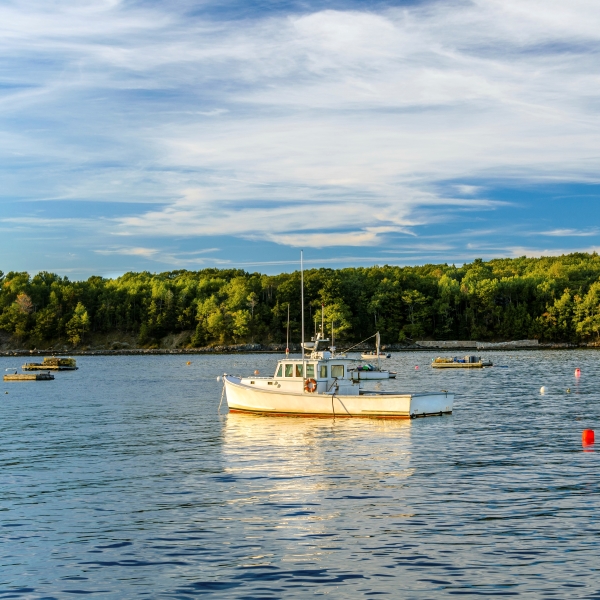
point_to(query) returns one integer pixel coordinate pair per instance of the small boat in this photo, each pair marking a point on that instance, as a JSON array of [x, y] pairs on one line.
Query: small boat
[[378, 354], [323, 384], [370, 355], [52, 363], [367, 371], [465, 362], [317, 343], [371, 372]]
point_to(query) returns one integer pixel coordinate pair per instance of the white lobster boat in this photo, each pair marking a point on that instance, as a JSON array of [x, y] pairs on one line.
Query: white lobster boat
[[323, 386]]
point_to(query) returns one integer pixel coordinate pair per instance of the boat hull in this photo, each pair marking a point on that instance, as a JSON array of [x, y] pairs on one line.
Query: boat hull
[[246, 399], [369, 375]]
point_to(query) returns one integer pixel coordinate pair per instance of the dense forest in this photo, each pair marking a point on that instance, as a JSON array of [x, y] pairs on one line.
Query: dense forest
[[549, 298]]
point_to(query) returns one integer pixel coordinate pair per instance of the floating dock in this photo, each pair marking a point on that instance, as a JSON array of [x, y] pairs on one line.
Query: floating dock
[[468, 362], [53, 364], [29, 377]]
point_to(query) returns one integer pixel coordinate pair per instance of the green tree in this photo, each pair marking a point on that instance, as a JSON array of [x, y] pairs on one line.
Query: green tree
[[416, 303], [78, 325]]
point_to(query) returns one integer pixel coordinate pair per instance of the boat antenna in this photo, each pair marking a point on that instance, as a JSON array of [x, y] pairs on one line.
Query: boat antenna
[[302, 302], [323, 320], [377, 344], [332, 338], [287, 338]]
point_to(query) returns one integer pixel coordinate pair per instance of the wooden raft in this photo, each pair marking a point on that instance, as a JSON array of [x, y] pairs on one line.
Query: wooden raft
[[453, 365], [29, 377], [54, 363]]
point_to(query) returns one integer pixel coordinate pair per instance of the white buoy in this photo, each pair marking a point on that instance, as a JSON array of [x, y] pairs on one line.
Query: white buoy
[[543, 390], [219, 378]]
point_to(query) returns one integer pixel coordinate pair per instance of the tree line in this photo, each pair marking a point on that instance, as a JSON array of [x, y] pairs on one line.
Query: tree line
[[548, 298]]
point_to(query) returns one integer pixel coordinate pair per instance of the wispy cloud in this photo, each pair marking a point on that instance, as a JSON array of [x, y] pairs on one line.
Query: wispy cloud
[[159, 255], [322, 128], [571, 232]]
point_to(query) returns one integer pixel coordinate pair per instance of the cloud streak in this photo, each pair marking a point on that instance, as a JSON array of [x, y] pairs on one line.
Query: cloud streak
[[324, 128]]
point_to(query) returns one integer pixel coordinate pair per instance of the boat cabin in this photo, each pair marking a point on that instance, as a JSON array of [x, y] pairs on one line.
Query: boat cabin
[[331, 374]]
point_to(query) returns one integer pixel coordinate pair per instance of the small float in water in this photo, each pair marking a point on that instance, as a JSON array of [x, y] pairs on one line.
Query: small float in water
[[52, 363], [464, 362]]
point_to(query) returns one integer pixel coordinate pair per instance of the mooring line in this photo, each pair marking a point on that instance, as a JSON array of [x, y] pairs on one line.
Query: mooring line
[[222, 394]]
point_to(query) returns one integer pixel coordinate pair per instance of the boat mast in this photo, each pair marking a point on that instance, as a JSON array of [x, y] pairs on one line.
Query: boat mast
[[322, 321], [302, 302], [377, 342], [332, 339], [287, 337]]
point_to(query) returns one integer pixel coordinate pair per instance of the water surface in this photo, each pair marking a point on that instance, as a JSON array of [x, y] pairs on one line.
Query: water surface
[[122, 480]]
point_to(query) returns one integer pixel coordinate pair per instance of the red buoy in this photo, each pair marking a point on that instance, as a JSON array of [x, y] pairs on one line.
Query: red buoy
[[417, 368], [587, 437], [577, 372]]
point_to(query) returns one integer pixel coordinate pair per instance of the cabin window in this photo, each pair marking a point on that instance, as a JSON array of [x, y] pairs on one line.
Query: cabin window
[[310, 371], [289, 370], [323, 373], [279, 371], [337, 370], [298, 370]]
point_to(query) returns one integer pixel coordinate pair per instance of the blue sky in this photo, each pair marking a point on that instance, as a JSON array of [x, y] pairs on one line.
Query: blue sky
[[168, 135]]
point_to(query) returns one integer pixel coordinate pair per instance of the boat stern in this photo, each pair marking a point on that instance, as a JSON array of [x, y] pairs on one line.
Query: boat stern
[[431, 403]]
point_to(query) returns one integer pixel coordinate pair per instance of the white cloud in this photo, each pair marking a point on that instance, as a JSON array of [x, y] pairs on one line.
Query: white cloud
[[468, 190], [326, 128], [144, 252]]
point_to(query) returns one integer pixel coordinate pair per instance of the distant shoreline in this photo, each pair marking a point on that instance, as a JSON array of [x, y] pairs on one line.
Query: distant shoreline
[[232, 350]]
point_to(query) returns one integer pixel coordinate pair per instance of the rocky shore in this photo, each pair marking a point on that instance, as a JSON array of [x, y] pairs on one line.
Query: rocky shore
[[265, 348]]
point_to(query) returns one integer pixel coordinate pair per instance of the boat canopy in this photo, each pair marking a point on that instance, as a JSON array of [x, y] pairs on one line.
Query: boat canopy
[[314, 368]]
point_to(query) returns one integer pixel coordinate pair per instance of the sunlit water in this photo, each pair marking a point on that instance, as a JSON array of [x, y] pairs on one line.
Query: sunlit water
[[122, 480]]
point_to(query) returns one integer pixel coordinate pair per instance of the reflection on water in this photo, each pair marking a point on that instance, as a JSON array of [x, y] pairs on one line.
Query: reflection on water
[[308, 476], [122, 480], [303, 458]]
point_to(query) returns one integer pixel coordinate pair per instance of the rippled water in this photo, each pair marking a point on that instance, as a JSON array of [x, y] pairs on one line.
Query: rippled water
[[122, 480]]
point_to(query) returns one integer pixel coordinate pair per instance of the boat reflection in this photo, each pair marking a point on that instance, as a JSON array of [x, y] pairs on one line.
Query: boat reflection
[[300, 483], [299, 448]]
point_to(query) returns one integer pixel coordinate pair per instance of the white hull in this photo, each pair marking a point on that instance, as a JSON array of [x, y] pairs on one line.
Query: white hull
[[246, 398], [373, 375], [368, 356]]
